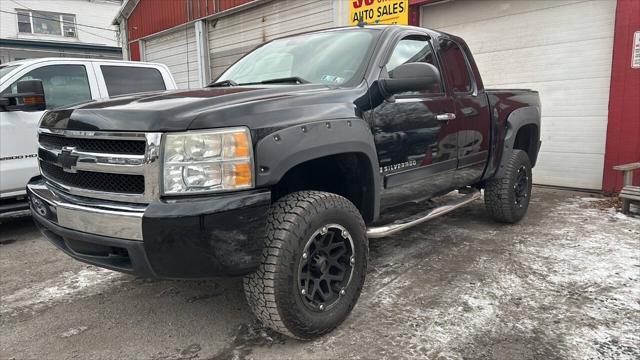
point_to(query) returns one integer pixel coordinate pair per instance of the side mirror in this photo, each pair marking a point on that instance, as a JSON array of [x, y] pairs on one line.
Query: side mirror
[[415, 76], [30, 97]]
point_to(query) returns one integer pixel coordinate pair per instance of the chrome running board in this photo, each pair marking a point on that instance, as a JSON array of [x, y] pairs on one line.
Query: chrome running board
[[390, 229]]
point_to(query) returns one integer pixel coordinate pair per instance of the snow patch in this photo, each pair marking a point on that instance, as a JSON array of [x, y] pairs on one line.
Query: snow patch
[[67, 286], [74, 331]]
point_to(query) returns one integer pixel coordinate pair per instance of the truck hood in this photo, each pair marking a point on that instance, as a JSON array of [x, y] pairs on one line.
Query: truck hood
[[255, 107]]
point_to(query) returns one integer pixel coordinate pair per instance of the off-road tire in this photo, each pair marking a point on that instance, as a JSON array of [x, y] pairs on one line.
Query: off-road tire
[[272, 291], [500, 197]]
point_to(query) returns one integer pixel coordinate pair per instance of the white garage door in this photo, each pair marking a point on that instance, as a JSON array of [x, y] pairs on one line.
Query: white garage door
[[562, 49], [232, 36], [177, 50]]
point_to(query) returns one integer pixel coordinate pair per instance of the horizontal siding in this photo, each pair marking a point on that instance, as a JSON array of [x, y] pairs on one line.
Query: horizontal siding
[[587, 59], [548, 46], [93, 13], [591, 127], [229, 4], [271, 21], [554, 167], [472, 11], [223, 59], [232, 36], [177, 42], [571, 97], [178, 51], [153, 16]]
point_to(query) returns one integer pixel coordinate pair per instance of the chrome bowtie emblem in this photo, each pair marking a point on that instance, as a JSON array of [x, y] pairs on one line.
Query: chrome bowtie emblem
[[67, 159]]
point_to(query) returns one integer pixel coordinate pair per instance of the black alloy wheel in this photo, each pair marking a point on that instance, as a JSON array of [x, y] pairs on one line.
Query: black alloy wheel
[[326, 267], [507, 196], [313, 264], [521, 187]]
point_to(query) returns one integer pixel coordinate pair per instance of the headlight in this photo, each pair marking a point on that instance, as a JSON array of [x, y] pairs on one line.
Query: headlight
[[208, 161]]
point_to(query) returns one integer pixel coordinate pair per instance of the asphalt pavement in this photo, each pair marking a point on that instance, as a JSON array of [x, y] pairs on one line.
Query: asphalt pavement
[[564, 283]]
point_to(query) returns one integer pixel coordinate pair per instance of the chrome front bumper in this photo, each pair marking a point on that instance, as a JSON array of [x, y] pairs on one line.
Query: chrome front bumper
[[192, 239], [89, 216]]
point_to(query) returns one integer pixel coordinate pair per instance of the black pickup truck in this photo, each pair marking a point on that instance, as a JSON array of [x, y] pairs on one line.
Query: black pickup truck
[[283, 168]]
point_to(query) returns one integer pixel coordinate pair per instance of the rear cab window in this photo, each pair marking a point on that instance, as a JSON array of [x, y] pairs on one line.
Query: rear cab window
[[121, 80], [457, 69]]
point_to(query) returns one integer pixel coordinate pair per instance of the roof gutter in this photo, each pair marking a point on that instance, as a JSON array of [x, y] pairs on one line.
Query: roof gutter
[[125, 11]]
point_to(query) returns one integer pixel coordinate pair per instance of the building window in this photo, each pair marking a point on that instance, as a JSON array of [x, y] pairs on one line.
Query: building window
[[48, 23], [69, 25], [24, 22]]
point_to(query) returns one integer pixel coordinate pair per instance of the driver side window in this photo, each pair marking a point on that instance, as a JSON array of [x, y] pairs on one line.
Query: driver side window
[[413, 49], [63, 84]]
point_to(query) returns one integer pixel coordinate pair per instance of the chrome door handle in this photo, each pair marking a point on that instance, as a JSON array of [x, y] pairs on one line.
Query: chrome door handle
[[446, 117]]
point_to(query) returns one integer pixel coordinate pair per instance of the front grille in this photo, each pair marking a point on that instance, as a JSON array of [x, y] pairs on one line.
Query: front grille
[[115, 166], [131, 147], [96, 181]]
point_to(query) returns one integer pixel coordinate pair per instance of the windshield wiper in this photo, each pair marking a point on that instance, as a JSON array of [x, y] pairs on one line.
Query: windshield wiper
[[223, 83], [285, 80], [291, 79]]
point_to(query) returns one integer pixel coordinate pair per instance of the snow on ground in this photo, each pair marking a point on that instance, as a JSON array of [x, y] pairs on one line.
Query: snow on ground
[[562, 284], [69, 285]]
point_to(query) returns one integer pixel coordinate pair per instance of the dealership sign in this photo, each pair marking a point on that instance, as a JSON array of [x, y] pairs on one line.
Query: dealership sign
[[379, 12]]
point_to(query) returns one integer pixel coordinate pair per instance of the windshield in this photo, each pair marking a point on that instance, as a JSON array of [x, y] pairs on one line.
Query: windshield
[[4, 70], [330, 58]]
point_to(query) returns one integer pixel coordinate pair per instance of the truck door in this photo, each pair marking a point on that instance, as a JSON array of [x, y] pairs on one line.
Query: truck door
[[63, 84], [417, 146], [472, 113]]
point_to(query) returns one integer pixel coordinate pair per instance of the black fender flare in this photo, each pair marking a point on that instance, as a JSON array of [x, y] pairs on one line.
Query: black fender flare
[[283, 149], [516, 120]]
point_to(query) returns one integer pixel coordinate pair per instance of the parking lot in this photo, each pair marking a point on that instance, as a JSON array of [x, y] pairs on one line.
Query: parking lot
[[564, 283]]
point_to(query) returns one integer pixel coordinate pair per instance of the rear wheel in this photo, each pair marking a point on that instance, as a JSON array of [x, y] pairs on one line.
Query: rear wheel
[[313, 265], [507, 198]]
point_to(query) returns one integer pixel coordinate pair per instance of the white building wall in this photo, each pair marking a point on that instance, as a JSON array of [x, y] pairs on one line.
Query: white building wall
[[563, 49], [97, 13]]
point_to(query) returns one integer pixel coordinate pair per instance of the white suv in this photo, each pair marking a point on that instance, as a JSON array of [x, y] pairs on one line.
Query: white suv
[[65, 81]]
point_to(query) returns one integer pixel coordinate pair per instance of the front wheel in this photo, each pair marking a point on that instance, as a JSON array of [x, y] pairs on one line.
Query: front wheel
[[313, 264], [507, 198]]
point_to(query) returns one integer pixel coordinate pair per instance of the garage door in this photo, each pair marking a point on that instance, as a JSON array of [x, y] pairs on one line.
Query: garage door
[[177, 50], [562, 49], [232, 36]]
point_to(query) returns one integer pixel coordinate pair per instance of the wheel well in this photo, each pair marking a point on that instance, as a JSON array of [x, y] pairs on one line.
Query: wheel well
[[527, 140], [349, 175]]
